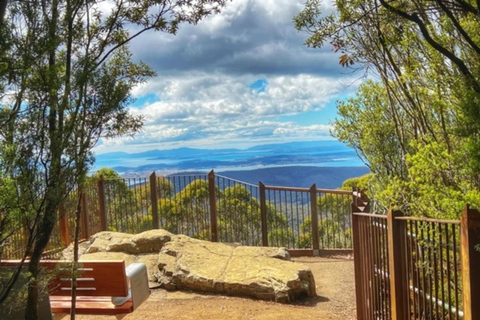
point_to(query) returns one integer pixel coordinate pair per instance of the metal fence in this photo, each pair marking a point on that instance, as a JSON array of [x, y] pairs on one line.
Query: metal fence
[[372, 277], [416, 268], [205, 206], [218, 208], [432, 258], [238, 211], [405, 267]]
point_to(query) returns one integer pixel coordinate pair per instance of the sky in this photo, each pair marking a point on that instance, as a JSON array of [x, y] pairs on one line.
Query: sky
[[239, 78]]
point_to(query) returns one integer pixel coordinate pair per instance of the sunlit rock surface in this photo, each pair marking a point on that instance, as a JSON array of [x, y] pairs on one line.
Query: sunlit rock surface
[[179, 262]]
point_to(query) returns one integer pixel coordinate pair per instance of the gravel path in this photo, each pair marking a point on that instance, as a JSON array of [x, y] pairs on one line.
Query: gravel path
[[335, 289]]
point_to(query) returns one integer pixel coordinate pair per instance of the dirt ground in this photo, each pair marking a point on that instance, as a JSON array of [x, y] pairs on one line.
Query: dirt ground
[[335, 299]]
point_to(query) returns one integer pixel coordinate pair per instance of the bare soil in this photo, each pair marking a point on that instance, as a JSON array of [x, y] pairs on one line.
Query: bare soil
[[335, 299]]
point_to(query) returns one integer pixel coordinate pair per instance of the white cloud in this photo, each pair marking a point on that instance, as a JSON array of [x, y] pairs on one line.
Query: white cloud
[[225, 108], [204, 73]]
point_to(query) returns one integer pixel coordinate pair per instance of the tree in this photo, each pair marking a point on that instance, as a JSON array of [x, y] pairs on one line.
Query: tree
[[239, 216], [187, 211], [65, 80], [423, 95]]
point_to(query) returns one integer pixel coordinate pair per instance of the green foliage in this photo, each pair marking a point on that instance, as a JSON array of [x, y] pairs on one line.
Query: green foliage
[[416, 121], [66, 76], [436, 187], [282, 237], [332, 232], [362, 183], [239, 216]]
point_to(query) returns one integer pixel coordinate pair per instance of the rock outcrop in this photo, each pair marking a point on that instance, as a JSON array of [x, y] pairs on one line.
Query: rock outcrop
[[186, 263], [179, 262]]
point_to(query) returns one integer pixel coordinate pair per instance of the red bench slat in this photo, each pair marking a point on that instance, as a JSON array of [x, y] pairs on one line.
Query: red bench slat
[[97, 283]]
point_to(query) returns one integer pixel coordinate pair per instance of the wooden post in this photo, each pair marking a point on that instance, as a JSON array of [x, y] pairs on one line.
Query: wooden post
[[84, 216], [314, 220], [63, 225], [263, 214], [470, 258], [357, 263], [213, 206], [354, 196], [396, 258], [153, 197], [101, 204]]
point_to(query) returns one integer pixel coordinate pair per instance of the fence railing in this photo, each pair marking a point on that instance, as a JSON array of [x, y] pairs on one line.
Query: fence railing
[[405, 267], [416, 268], [210, 207]]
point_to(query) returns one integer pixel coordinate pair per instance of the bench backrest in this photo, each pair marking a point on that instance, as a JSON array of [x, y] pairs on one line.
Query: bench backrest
[[94, 278]]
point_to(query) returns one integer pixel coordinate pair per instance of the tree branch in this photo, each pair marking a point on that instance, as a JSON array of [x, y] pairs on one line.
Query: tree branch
[[458, 26], [437, 46]]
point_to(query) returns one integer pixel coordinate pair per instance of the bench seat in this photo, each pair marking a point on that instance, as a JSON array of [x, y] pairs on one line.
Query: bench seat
[[103, 287], [89, 305]]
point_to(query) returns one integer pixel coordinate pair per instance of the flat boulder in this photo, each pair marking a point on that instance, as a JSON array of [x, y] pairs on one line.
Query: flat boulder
[[262, 273], [178, 262], [107, 245]]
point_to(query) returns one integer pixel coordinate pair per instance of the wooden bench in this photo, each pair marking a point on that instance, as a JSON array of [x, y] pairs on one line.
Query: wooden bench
[[103, 287]]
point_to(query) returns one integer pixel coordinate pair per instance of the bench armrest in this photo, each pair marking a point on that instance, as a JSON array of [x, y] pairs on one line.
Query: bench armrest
[[138, 289]]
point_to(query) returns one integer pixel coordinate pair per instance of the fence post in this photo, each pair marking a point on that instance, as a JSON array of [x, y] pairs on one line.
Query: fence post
[[213, 206], [84, 216], [263, 214], [470, 258], [101, 204], [357, 263], [354, 197], [63, 225], [153, 197], [396, 257], [314, 220]]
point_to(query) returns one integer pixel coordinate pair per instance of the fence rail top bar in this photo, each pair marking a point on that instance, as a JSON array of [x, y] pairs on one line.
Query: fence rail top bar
[[181, 175], [370, 215], [278, 188], [427, 220], [335, 191], [235, 180], [287, 189]]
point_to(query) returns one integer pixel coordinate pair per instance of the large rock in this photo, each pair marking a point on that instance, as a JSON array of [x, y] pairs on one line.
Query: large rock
[[107, 241], [197, 265], [179, 262], [106, 245]]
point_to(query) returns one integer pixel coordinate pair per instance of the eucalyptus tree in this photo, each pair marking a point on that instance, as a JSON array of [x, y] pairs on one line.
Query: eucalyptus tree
[[420, 111], [66, 74]]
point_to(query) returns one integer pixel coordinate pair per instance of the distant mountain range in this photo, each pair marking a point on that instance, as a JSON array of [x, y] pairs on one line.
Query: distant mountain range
[[294, 164], [298, 176], [329, 153]]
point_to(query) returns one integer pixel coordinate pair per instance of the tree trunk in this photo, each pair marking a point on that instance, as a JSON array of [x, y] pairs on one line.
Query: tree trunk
[[3, 10], [44, 231], [75, 254]]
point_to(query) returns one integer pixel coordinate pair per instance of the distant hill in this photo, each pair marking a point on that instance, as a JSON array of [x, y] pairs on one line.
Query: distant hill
[[298, 176], [328, 153]]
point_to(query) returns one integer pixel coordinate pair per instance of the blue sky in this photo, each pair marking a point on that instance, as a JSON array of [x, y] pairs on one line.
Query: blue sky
[[237, 79]]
